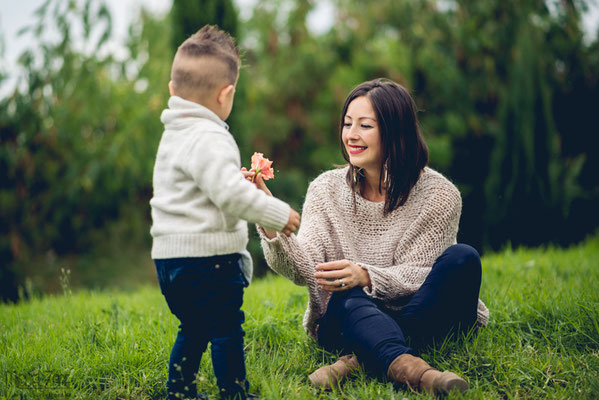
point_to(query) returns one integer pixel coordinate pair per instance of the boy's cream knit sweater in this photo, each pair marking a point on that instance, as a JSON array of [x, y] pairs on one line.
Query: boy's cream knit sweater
[[201, 200], [397, 250]]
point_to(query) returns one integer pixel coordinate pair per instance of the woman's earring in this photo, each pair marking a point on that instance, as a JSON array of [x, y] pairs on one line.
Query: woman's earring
[[385, 175]]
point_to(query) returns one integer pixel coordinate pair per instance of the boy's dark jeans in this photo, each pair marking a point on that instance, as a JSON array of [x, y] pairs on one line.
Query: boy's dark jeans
[[206, 295]]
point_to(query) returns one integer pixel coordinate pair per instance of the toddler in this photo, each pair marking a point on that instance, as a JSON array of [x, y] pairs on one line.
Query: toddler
[[200, 207]]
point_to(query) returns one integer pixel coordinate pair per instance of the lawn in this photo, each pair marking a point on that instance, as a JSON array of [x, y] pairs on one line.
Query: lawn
[[542, 340]]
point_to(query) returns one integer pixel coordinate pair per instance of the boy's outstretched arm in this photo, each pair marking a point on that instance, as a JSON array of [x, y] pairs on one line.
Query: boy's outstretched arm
[[212, 161]]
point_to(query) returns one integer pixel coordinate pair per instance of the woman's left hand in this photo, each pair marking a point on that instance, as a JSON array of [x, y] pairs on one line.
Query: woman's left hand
[[335, 276]]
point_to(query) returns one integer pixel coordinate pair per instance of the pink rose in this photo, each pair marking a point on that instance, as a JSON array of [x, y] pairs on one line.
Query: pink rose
[[261, 165]]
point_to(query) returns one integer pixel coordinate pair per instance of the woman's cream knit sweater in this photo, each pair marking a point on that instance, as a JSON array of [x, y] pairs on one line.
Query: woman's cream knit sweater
[[397, 250]]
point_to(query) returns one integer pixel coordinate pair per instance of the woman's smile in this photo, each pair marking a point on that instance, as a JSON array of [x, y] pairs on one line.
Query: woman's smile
[[353, 149]]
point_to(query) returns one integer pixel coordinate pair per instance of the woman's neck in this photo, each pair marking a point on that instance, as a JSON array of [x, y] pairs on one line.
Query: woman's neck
[[370, 186]]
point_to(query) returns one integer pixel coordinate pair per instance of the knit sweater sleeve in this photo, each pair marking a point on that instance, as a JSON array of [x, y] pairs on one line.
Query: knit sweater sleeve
[[213, 163], [432, 231], [295, 257]]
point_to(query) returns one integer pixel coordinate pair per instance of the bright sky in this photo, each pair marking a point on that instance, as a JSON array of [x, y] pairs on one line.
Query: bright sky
[[14, 14]]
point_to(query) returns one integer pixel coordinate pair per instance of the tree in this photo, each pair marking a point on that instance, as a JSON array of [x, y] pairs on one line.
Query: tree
[[506, 92], [188, 16], [79, 135]]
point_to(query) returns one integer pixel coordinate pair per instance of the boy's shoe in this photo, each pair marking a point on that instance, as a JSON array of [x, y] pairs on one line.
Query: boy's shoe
[[180, 396], [239, 392]]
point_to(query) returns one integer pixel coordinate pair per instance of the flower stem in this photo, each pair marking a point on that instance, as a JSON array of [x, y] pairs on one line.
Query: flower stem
[[256, 174]]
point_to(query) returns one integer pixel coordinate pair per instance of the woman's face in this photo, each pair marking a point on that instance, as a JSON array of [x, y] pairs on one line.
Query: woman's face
[[361, 135]]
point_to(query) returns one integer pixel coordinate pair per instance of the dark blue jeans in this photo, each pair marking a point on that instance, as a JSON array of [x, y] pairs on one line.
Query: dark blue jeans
[[206, 295], [446, 302]]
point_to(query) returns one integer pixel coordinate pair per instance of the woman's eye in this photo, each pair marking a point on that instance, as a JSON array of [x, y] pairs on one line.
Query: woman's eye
[[365, 126], [346, 124]]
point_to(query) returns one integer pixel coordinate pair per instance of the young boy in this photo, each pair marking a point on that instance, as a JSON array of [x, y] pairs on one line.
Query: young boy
[[200, 205]]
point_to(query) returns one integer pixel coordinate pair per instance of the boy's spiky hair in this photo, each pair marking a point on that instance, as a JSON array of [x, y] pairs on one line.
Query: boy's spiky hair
[[207, 59]]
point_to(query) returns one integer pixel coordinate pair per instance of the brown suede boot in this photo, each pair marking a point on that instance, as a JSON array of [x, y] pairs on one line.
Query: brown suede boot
[[330, 375], [418, 375]]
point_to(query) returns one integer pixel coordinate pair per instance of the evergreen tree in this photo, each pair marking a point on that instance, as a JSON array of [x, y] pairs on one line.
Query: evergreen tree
[[534, 180], [188, 16], [522, 184]]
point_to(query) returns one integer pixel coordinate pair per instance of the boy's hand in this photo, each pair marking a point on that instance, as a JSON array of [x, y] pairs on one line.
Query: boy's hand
[[292, 224]]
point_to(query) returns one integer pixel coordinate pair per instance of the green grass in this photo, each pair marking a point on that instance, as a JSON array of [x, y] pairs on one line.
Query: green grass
[[542, 341]]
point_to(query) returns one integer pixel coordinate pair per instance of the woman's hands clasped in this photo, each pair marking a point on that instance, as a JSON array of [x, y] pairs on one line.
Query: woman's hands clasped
[[335, 276]]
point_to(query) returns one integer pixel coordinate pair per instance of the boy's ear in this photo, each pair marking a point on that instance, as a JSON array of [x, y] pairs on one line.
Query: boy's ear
[[170, 88], [225, 93]]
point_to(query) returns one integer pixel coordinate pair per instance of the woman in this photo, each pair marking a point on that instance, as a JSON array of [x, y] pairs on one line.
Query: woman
[[377, 250]]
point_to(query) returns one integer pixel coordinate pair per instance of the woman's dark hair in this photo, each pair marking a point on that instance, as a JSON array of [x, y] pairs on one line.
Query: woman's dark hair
[[404, 152]]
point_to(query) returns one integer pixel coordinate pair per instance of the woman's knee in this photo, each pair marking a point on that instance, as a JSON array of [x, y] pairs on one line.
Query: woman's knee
[[461, 258], [348, 301]]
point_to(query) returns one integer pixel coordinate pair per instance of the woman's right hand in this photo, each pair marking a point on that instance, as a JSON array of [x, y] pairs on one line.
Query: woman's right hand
[[294, 217], [256, 180]]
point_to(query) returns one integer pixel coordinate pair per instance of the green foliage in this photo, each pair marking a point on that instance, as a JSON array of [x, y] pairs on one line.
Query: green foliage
[[188, 16], [489, 77], [531, 180], [287, 110], [80, 133], [541, 341], [520, 184]]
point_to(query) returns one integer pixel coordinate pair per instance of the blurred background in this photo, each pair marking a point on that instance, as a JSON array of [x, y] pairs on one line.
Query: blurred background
[[507, 91]]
